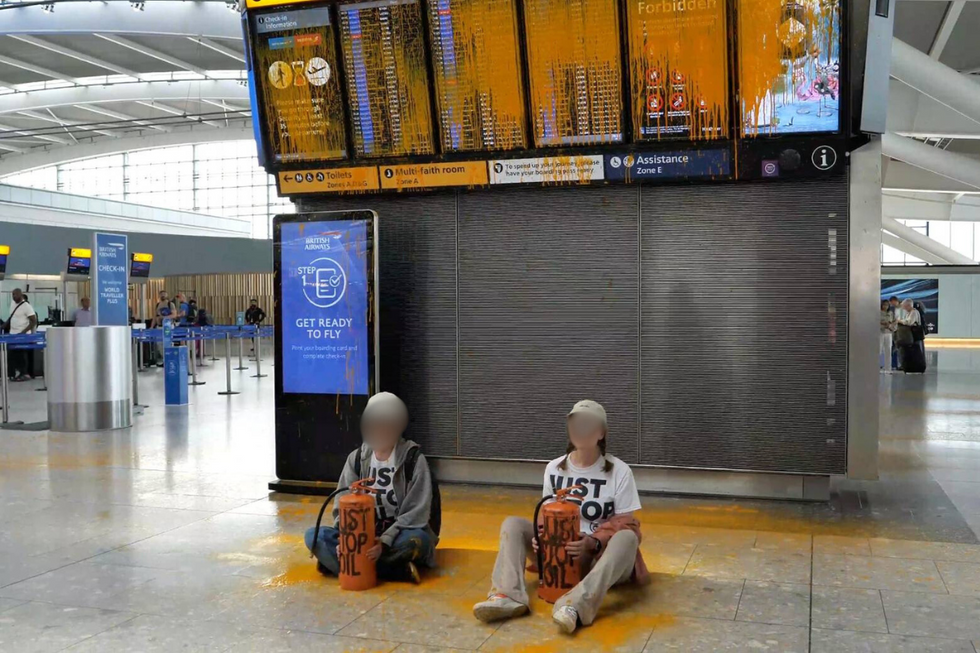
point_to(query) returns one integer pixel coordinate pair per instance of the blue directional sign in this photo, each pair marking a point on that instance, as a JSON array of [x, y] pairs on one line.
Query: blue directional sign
[[677, 164]]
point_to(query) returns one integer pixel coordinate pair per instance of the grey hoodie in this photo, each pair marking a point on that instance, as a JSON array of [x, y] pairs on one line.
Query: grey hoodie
[[414, 502]]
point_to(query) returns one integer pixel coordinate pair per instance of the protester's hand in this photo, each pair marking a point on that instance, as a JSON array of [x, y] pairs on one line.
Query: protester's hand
[[375, 551], [578, 548], [534, 544]]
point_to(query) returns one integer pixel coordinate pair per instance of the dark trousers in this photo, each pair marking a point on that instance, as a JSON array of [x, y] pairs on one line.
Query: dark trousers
[[409, 546], [17, 362]]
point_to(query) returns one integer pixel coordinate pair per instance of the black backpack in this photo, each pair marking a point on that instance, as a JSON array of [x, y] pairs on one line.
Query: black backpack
[[435, 509]]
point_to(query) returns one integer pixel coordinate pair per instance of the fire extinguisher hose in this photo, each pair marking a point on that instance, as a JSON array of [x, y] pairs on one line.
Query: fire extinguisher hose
[[319, 517]]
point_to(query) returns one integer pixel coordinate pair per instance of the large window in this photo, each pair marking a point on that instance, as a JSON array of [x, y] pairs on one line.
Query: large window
[[214, 178], [963, 237]]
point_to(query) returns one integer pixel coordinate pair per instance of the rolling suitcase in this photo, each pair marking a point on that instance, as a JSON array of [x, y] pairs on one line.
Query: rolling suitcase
[[913, 358]]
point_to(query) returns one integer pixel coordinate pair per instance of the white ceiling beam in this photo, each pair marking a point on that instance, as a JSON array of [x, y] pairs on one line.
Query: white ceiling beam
[[910, 113], [74, 54], [38, 158], [40, 70], [5, 145], [160, 17], [102, 111], [65, 123], [922, 241], [21, 132], [229, 108], [160, 106], [957, 167], [902, 177], [155, 54], [908, 248], [217, 47], [952, 15], [930, 206], [217, 89], [938, 81]]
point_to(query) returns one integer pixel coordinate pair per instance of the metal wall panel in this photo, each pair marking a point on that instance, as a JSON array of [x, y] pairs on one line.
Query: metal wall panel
[[744, 323], [417, 242], [548, 290]]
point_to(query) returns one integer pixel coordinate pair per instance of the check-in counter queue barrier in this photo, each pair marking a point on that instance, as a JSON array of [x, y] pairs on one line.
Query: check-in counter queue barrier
[[112, 355]]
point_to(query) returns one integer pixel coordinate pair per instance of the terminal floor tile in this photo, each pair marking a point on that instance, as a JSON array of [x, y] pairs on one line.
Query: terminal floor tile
[[164, 537]]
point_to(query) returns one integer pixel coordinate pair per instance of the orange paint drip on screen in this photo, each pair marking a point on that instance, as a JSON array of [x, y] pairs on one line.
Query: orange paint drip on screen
[[479, 93], [574, 66], [678, 68]]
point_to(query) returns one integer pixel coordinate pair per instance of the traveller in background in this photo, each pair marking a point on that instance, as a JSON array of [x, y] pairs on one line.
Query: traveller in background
[[405, 503], [887, 328], [609, 547], [190, 315], [254, 316], [83, 314], [894, 305], [165, 309], [182, 308], [909, 336], [22, 319]]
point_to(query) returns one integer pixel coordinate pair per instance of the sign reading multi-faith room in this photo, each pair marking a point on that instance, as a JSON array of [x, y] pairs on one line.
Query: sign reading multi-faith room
[[325, 307], [110, 281]]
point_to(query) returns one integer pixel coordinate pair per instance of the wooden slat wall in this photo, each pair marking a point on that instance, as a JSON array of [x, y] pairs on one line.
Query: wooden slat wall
[[222, 295]]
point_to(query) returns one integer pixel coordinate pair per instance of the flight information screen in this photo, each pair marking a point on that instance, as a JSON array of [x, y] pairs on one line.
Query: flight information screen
[[678, 54], [575, 74], [387, 79], [476, 61], [789, 66], [298, 85]]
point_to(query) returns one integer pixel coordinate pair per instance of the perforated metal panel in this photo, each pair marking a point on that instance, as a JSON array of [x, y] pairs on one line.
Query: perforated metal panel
[[744, 314], [547, 316], [417, 238]]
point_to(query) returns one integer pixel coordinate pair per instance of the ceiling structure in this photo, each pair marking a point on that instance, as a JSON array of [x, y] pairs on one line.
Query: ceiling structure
[[82, 78], [78, 77]]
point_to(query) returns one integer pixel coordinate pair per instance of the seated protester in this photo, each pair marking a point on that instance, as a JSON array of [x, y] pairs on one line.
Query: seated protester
[[610, 542], [403, 505]]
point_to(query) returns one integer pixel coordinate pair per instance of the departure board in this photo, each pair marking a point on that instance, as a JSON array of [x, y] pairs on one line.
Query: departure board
[[476, 62], [387, 79], [789, 66], [298, 85], [678, 54], [575, 74]]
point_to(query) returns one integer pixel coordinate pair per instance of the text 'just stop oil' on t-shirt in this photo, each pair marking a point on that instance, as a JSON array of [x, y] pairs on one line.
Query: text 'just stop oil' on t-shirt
[[386, 504], [606, 493]]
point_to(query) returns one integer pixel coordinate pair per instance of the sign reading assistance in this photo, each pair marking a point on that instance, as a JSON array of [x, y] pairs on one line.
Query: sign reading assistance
[[325, 307]]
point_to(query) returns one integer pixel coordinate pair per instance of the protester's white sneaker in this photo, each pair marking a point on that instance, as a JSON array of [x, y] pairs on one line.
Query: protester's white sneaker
[[498, 607], [567, 618]]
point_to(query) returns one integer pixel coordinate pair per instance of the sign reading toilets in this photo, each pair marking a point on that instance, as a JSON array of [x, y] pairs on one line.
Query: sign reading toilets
[[325, 307], [110, 279]]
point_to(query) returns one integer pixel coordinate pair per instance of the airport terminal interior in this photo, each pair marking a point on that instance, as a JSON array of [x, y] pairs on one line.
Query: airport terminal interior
[[257, 255]]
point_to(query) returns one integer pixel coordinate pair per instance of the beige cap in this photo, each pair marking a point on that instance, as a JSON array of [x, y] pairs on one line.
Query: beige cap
[[589, 407], [385, 406]]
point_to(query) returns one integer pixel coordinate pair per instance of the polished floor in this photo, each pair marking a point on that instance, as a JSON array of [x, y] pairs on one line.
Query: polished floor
[[165, 538]]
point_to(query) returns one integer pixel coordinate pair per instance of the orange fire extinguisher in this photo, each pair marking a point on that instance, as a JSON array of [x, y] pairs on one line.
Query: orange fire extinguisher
[[357, 535], [558, 572]]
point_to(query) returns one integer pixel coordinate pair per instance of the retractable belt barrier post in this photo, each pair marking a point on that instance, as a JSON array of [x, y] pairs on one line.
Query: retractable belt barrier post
[[228, 390], [20, 342], [3, 384], [257, 339], [241, 363], [192, 346]]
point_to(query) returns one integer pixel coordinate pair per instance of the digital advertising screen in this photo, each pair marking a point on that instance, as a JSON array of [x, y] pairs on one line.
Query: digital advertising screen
[[298, 84], [476, 58], [324, 304], [678, 60], [575, 74], [4, 253], [140, 266], [923, 292], [79, 260], [789, 66], [387, 77]]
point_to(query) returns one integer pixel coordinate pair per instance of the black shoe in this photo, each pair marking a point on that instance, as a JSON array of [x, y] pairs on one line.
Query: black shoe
[[323, 570]]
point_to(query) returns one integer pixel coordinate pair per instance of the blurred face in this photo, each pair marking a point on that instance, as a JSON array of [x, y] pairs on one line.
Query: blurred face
[[85, 303], [17, 295], [254, 303], [884, 305], [893, 302], [585, 431], [907, 304], [380, 433], [163, 295]]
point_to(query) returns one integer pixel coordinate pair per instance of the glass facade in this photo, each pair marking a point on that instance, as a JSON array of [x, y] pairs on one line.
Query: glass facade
[[962, 237], [212, 178]]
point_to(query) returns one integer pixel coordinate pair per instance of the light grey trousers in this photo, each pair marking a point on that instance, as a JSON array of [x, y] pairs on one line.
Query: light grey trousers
[[615, 566]]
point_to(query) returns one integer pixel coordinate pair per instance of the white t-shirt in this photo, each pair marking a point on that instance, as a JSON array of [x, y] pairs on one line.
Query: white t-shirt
[[383, 473], [606, 493], [21, 317]]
